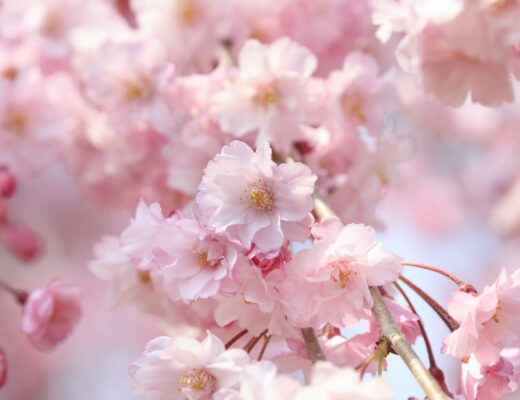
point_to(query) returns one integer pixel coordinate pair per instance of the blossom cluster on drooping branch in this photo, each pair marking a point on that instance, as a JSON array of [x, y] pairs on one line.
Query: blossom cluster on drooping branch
[[199, 106]]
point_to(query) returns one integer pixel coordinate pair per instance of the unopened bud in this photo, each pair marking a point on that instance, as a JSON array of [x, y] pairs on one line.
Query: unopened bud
[[7, 183], [21, 241]]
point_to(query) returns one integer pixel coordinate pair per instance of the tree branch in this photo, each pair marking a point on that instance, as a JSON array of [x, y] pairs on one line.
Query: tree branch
[[388, 329]]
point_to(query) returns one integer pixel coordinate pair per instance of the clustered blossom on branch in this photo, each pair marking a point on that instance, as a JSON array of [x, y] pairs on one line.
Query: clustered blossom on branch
[[231, 125]]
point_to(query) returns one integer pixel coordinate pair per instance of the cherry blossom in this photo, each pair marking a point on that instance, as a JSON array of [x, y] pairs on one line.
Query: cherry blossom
[[245, 194], [344, 262], [50, 314], [267, 94], [183, 367], [488, 321]]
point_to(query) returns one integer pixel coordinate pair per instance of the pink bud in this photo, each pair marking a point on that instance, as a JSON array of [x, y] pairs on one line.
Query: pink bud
[[50, 314], [3, 212], [7, 183], [22, 241], [3, 368]]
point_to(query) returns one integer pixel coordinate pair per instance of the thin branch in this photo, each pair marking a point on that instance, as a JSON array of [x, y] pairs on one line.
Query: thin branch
[[19, 295], [431, 357], [441, 312], [389, 330], [434, 369], [312, 345], [252, 343], [463, 286], [235, 338], [262, 351]]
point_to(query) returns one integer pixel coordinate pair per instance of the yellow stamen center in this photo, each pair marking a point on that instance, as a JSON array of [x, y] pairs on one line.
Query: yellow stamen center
[[138, 90], [188, 12], [259, 196], [16, 122], [197, 379], [353, 107], [341, 273], [266, 95]]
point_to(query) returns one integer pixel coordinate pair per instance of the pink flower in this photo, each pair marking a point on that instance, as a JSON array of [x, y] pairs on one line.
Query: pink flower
[[198, 263], [3, 368], [190, 29], [245, 194], [128, 80], [336, 274], [267, 94], [189, 152], [490, 382], [33, 115], [359, 95], [450, 61], [184, 368], [127, 262], [330, 382], [259, 303], [489, 321], [50, 314], [260, 381]]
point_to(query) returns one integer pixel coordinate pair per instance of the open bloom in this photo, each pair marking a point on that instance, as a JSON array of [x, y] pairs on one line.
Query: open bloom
[[247, 195], [489, 321], [197, 262], [490, 382], [267, 94], [50, 314], [336, 274], [127, 262], [184, 368], [128, 81]]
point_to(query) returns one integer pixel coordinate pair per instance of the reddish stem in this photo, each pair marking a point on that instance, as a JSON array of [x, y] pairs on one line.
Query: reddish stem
[[252, 343], [266, 342], [235, 338], [441, 312], [463, 286], [19, 295], [436, 371]]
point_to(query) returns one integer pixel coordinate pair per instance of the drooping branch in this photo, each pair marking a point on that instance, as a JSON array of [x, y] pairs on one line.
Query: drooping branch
[[463, 286], [441, 312], [312, 345], [388, 329]]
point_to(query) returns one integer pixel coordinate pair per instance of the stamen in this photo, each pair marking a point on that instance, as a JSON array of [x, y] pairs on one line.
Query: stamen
[[203, 261], [259, 196], [341, 273], [198, 379], [188, 12], [266, 95], [144, 276]]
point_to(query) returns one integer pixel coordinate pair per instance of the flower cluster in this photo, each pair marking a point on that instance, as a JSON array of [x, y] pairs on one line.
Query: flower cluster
[[256, 140]]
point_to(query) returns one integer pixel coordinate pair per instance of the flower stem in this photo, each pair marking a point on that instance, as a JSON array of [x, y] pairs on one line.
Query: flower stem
[[252, 343], [19, 295], [235, 338], [389, 330], [436, 371], [312, 345], [441, 312], [262, 351], [463, 286]]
